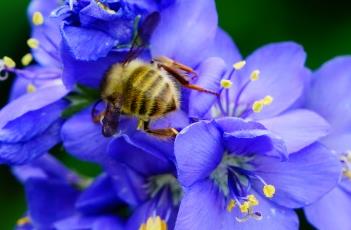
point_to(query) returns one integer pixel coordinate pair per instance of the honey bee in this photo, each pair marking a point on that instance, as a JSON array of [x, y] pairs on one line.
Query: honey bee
[[146, 90]]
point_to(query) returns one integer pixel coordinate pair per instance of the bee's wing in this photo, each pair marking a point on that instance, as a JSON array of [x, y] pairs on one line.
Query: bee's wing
[[110, 121], [143, 36]]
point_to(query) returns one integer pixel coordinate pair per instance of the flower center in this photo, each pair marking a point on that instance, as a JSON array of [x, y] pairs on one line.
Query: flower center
[[234, 177], [227, 106], [158, 183]]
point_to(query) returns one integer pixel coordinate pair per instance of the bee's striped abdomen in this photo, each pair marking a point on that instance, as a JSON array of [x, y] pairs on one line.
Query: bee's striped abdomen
[[150, 93]]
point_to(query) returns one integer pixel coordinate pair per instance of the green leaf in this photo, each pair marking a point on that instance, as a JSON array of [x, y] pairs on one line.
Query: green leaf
[[80, 99]]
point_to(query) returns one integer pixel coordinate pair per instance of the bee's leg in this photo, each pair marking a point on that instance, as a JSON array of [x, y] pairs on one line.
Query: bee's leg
[[165, 61], [173, 69], [162, 133], [97, 118]]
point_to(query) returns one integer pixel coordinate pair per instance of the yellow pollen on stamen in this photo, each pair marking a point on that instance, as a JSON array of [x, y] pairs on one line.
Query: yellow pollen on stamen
[[226, 83], [230, 205], [252, 200], [239, 65], [33, 43], [255, 75], [27, 59], [267, 100], [257, 106], [154, 223], [31, 88], [269, 190], [347, 173], [38, 18], [23, 221], [244, 207], [9, 63]]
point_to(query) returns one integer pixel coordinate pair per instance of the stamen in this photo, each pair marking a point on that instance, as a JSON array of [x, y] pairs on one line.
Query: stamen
[[33, 43], [269, 190], [226, 83], [9, 63], [347, 173], [31, 88], [27, 59], [267, 100], [154, 223], [255, 75], [244, 207], [252, 200], [231, 205], [239, 65], [22, 221], [38, 18], [257, 106]]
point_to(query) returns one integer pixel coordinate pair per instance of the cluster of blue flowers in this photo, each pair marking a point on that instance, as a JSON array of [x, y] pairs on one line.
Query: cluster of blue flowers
[[277, 138]]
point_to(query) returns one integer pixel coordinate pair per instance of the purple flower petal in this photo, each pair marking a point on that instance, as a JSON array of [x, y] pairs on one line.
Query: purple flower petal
[[281, 67], [202, 207], [93, 147], [48, 35], [98, 198], [185, 30], [224, 47], [108, 222], [124, 151], [128, 184], [338, 142], [33, 102], [298, 128], [243, 138], [89, 73], [24, 152], [49, 201], [211, 71], [330, 93], [198, 151], [87, 44], [304, 178], [331, 212]]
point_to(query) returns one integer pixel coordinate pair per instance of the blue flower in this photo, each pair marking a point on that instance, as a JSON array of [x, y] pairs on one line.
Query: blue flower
[[266, 87], [55, 198], [329, 95], [233, 175], [145, 178], [37, 95]]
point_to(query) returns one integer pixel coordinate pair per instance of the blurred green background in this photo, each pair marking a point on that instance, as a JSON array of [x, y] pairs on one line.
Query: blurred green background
[[322, 27]]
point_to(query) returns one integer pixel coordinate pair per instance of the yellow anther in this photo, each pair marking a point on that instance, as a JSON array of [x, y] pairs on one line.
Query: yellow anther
[[154, 223], [252, 200], [347, 173], [226, 83], [9, 63], [31, 88], [267, 100], [255, 75], [269, 190], [231, 205], [239, 65], [27, 59], [244, 207], [257, 106], [22, 221], [105, 7], [33, 43], [37, 18]]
